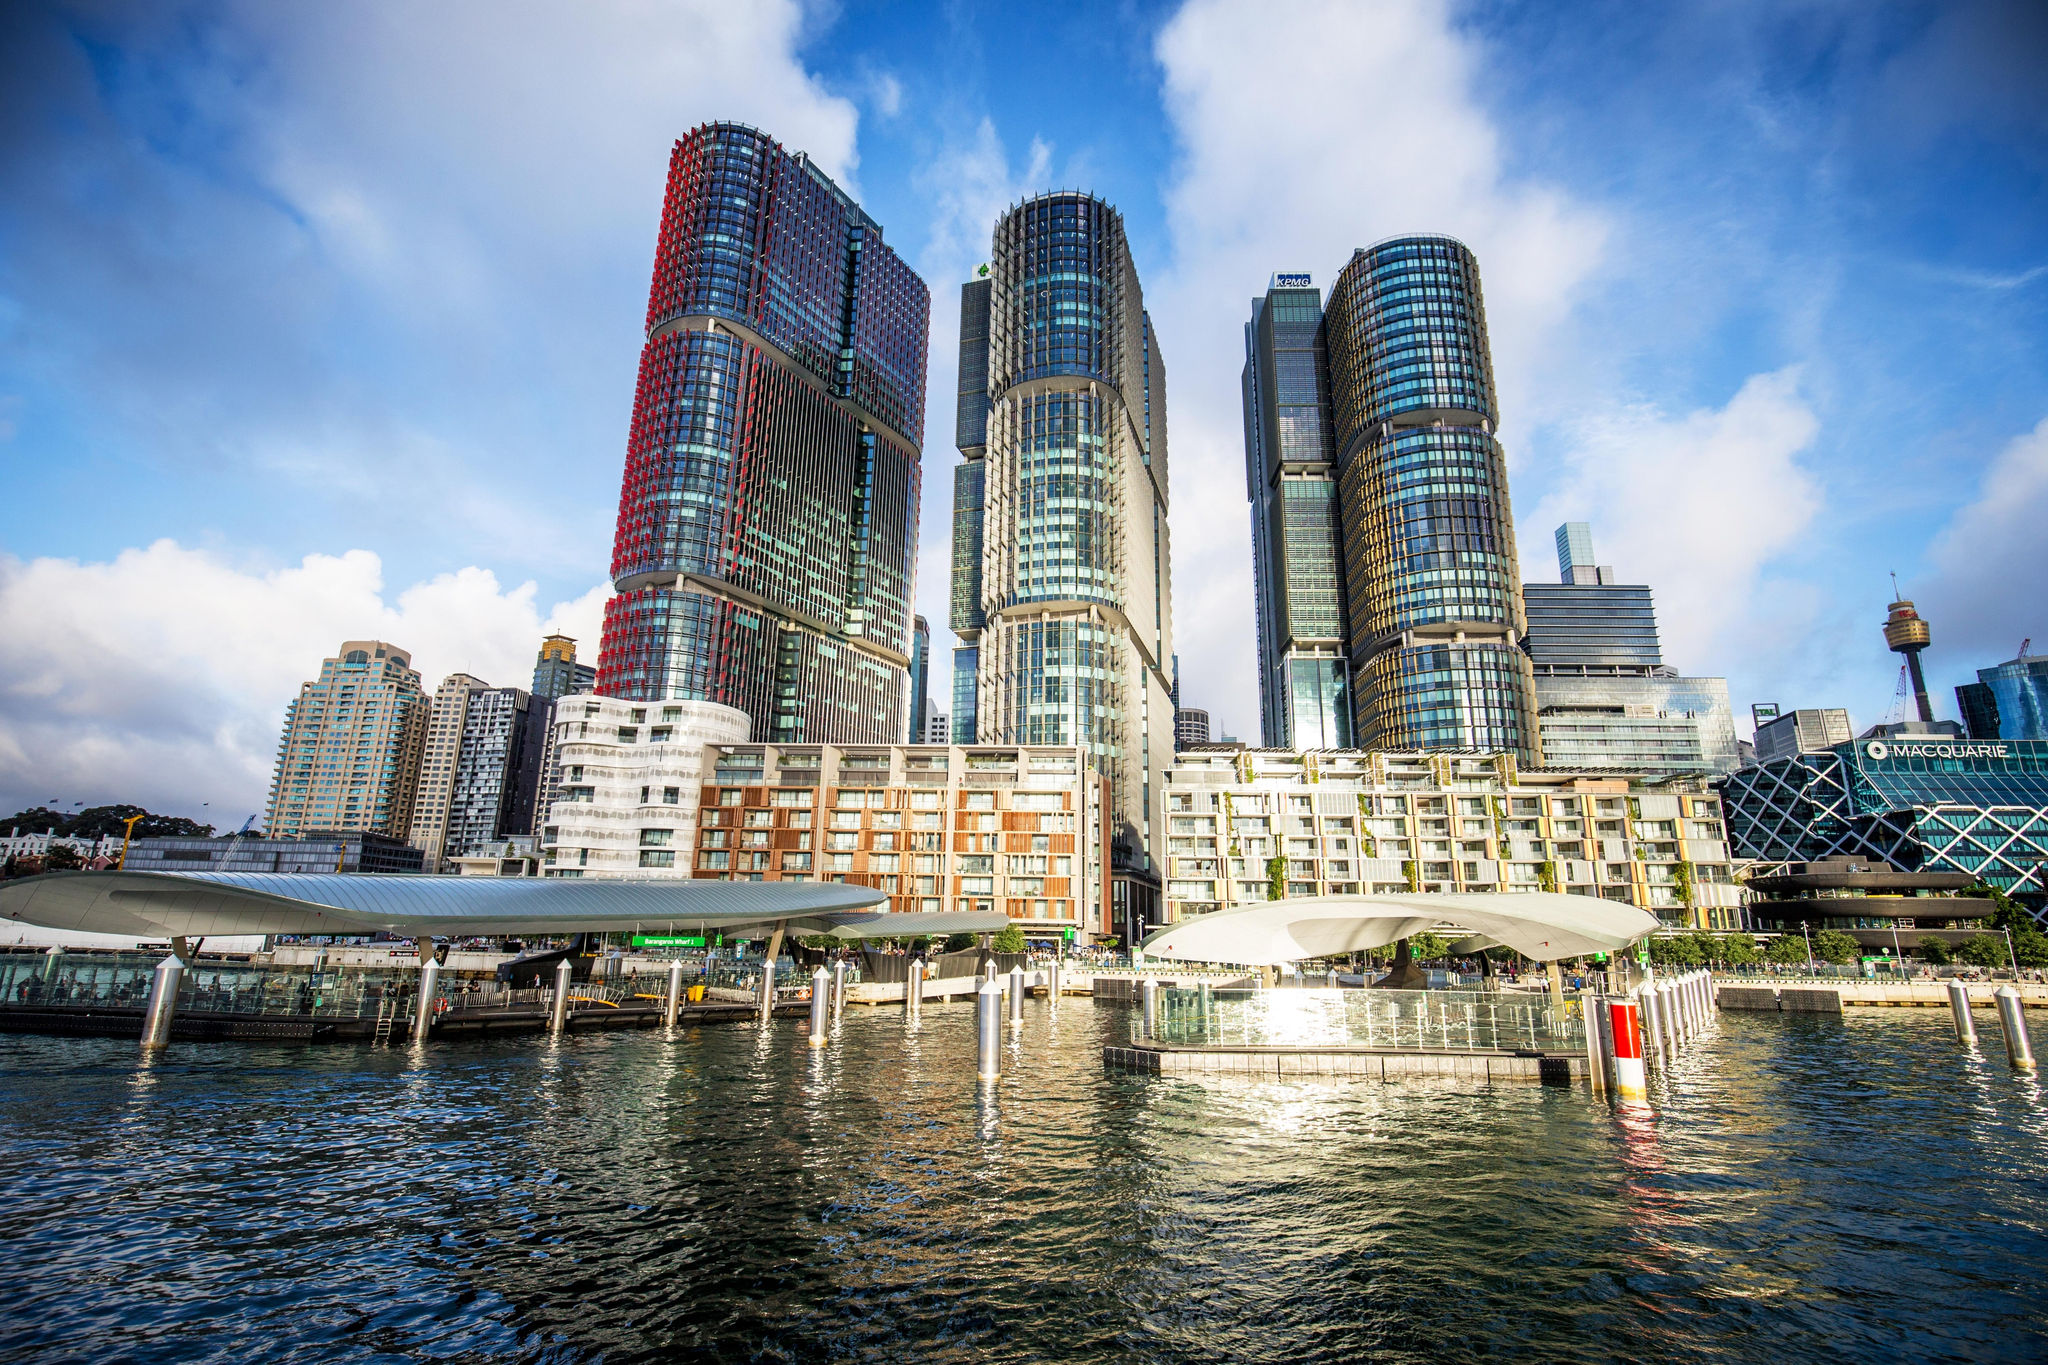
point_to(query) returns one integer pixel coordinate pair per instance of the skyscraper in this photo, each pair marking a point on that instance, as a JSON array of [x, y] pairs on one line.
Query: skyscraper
[[920, 678], [767, 536], [349, 758], [1434, 602], [1297, 558], [497, 773], [438, 759], [2008, 701], [556, 672], [970, 434], [1067, 607]]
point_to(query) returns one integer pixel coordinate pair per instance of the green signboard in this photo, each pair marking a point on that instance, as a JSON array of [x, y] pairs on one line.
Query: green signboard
[[668, 940]]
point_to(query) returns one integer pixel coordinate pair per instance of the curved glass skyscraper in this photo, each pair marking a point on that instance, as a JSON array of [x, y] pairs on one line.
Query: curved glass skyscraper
[[767, 536], [1069, 630], [1432, 583]]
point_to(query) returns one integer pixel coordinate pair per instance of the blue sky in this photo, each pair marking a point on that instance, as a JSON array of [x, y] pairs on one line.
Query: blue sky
[[322, 321]]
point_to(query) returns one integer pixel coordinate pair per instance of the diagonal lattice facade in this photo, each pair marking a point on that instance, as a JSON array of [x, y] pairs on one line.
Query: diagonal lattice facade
[[1980, 809]]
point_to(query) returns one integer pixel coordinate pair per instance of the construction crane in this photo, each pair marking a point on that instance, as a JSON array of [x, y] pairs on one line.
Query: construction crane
[[2025, 645]]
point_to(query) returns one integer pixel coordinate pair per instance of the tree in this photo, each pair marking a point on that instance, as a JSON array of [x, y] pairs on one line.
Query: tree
[[102, 822], [1428, 947], [1706, 948], [1983, 950], [1738, 950], [2029, 944], [37, 820], [1787, 950], [1832, 945], [1010, 940], [63, 858], [1934, 951]]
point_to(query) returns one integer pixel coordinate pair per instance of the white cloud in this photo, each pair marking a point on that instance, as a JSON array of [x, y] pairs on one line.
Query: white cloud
[[1990, 561], [1307, 130], [161, 677], [1698, 506]]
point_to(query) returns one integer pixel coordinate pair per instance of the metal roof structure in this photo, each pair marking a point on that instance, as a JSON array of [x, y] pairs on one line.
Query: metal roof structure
[[1544, 925], [205, 904]]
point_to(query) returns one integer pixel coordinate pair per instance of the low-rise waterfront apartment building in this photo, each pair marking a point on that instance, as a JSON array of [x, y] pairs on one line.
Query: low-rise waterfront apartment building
[[1244, 824], [673, 790]]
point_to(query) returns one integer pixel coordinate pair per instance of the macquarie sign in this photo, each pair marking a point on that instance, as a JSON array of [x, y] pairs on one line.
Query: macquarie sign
[[1878, 750]]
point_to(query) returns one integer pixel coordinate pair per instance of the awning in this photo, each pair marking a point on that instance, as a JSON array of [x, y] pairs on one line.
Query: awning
[[1544, 925], [209, 904]]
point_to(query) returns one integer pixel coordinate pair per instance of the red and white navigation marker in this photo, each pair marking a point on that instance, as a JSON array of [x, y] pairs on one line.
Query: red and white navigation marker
[[1629, 1080]]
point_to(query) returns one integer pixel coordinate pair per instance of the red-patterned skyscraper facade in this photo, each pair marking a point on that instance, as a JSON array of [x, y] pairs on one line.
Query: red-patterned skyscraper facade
[[767, 543]]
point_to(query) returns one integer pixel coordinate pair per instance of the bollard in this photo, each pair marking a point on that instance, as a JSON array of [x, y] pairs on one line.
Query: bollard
[[1673, 1017], [1052, 983], [672, 1003], [163, 1002], [1017, 997], [838, 989], [1629, 1080], [821, 989], [423, 1004], [2012, 1020], [558, 1019], [1205, 1007], [988, 1031], [1151, 999], [1959, 1010], [766, 1003], [1596, 1051], [913, 989]]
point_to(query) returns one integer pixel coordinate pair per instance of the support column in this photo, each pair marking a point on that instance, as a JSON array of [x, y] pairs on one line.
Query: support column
[[1556, 975]]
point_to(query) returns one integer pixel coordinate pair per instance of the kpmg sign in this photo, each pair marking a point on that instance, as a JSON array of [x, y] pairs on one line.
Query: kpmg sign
[[1879, 750], [1296, 281]]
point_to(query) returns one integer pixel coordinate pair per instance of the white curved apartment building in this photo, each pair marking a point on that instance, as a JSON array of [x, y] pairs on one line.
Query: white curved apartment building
[[631, 774]]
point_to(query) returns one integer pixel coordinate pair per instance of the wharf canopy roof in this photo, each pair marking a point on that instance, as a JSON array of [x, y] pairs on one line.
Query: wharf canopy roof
[[195, 904], [1545, 925]]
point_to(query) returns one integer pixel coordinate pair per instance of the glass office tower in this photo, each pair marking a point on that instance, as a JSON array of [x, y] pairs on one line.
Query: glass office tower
[[767, 535], [1434, 602], [1061, 576], [1297, 555]]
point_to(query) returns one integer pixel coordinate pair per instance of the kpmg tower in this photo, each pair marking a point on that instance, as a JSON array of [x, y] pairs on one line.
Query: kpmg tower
[[1433, 592], [1061, 587], [1297, 552], [767, 539]]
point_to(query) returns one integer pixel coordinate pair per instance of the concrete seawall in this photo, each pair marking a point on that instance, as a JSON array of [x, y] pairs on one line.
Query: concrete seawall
[[1793, 996]]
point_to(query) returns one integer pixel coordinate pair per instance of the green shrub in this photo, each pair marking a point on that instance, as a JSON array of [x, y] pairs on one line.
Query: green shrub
[[1010, 940], [1983, 950], [1935, 951], [1832, 945], [1787, 950]]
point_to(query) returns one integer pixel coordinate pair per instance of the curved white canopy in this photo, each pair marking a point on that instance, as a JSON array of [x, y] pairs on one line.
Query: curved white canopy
[[1544, 925], [205, 904]]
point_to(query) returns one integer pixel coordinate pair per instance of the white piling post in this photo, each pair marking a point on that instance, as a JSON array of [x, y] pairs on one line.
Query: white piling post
[[558, 1017], [2012, 1020], [1017, 996], [988, 1031], [423, 1004], [1596, 1052], [1959, 1011], [1150, 995], [163, 1003], [821, 987], [672, 1003], [838, 989], [913, 989]]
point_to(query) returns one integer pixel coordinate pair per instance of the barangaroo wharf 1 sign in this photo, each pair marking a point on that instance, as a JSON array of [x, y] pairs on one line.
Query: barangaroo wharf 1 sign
[[1879, 750]]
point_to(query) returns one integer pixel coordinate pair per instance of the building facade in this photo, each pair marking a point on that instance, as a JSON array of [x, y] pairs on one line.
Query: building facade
[[767, 539], [2008, 701], [349, 758], [1065, 612], [631, 774], [497, 775], [1249, 825], [1807, 730], [1921, 803], [318, 851], [1015, 828], [438, 759], [938, 729], [1297, 550], [1433, 597], [1190, 726]]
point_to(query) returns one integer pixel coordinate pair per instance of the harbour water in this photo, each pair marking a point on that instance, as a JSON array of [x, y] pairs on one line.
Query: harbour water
[[1800, 1188]]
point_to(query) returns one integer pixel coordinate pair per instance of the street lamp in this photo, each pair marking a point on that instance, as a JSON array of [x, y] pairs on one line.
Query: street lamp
[[2012, 962], [1804, 929]]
